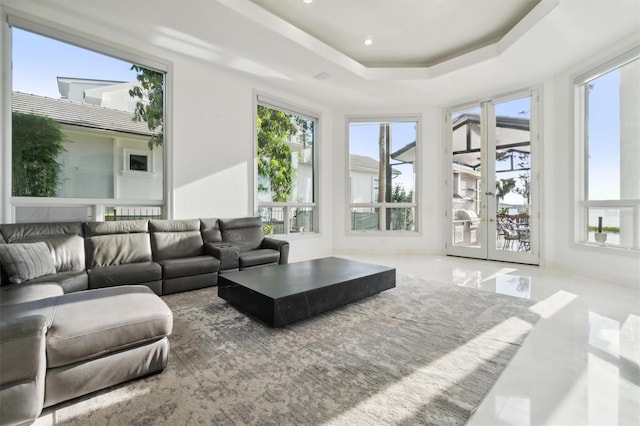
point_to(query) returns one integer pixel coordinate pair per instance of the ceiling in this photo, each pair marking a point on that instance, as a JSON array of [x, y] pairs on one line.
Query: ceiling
[[424, 53], [403, 33], [431, 52]]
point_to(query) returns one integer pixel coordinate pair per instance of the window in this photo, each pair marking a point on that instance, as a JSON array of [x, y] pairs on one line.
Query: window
[[609, 141], [138, 161], [287, 171], [85, 125], [382, 174]]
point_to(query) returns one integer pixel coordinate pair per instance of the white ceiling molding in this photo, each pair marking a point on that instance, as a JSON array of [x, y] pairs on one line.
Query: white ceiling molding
[[293, 33], [458, 60]]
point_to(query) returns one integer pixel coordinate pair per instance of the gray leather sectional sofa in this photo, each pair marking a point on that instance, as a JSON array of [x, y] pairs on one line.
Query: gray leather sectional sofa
[[90, 316]]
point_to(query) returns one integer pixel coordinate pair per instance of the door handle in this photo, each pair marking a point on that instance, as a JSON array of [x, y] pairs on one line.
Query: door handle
[[488, 193]]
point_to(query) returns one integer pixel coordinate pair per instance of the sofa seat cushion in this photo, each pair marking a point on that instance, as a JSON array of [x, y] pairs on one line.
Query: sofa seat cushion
[[258, 257], [129, 274], [70, 281], [184, 267], [14, 294], [113, 319]]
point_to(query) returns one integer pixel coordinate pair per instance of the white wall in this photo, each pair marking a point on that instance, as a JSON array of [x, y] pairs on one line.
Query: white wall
[[211, 159]]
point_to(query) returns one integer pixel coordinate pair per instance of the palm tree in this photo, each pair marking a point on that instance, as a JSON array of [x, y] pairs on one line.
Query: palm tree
[[503, 187]]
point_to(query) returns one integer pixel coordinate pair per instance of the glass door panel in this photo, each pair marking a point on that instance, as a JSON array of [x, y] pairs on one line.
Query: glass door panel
[[492, 190], [510, 209], [467, 233]]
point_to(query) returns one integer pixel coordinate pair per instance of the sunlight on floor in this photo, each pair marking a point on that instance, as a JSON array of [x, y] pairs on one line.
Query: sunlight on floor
[[471, 355], [83, 408], [553, 304], [554, 378]]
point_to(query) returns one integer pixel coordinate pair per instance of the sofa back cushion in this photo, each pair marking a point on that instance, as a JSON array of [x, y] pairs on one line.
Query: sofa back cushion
[[173, 239], [24, 262], [64, 240], [210, 229], [244, 232], [117, 243]]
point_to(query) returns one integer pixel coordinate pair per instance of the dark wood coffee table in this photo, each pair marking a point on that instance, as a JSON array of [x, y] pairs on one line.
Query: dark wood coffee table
[[282, 294]]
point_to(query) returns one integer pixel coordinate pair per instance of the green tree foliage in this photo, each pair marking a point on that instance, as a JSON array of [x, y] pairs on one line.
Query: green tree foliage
[[400, 195], [150, 106], [274, 153], [36, 143], [402, 218]]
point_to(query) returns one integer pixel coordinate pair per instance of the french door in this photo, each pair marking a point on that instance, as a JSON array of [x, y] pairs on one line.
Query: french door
[[492, 182]]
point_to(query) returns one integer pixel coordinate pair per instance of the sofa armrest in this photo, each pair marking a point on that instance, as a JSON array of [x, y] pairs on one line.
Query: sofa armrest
[[23, 365], [13, 294], [279, 245], [227, 254]]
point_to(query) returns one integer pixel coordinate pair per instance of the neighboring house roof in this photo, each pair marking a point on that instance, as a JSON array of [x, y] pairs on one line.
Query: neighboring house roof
[[364, 163], [406, 154], [79, 114]]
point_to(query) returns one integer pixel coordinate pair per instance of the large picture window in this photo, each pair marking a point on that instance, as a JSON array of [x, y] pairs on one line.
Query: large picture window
[[87, 130], [382, 174], [287, 141], [609, 140]]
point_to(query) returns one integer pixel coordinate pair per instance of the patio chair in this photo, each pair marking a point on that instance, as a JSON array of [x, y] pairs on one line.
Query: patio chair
[[511, 235]]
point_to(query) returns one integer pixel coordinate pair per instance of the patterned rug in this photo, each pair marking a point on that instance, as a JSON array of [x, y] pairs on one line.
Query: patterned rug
[[422, 353]]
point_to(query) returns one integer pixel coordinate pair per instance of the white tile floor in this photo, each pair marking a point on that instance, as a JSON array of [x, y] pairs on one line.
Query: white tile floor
[[581, 363]]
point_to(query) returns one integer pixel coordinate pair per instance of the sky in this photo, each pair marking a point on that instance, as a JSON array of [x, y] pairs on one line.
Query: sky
[[363, 140], [38, 61], [604, 137]]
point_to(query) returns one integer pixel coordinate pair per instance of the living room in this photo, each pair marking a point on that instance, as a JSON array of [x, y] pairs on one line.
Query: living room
[[220, 56]]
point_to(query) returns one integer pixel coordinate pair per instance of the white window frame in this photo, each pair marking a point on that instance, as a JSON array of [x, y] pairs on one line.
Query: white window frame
[[303, 112], [581, 232], [96, 206], [382, 207]]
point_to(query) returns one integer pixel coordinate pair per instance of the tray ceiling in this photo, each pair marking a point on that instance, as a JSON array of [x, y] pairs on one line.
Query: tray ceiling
[[404, 33]]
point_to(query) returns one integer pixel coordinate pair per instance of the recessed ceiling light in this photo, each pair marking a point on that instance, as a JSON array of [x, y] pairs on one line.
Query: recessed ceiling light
[[308, 1], [368, 41]]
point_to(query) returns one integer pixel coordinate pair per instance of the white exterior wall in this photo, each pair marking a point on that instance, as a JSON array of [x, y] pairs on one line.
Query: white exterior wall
[[137, 185], [88, 169], [361, 186], [93, 166]]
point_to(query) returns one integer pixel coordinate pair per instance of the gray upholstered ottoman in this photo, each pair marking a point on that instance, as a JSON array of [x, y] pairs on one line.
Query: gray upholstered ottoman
[[94, 339]]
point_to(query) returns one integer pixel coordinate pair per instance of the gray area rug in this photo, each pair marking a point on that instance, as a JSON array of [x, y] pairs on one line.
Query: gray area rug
[[422, 353]]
